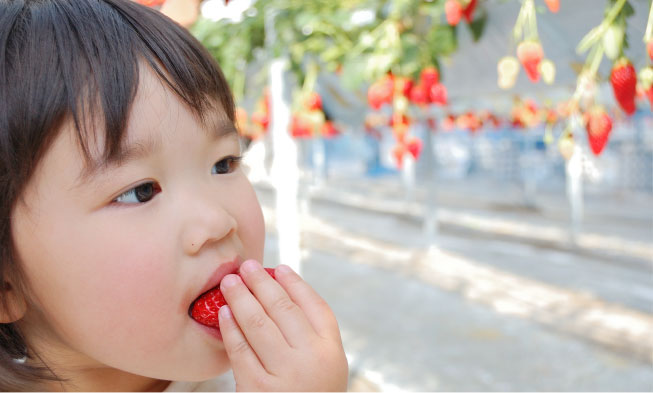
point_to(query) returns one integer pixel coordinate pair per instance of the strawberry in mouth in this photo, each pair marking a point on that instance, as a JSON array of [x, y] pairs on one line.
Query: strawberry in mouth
[[205, 308]]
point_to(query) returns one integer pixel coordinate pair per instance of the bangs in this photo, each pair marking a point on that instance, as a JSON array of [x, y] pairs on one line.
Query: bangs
[[80, 60]]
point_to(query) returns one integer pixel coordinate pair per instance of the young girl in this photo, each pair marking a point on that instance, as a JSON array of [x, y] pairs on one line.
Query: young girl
[[122, 201]]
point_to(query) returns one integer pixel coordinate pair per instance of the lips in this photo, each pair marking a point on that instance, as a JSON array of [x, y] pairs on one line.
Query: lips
[[205, 308], [214, 280]]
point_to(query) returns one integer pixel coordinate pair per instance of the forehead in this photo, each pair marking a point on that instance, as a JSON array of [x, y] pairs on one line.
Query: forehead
[[156, 113]]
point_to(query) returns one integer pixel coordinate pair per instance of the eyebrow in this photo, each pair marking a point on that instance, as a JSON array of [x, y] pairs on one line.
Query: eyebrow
[[137, 150]]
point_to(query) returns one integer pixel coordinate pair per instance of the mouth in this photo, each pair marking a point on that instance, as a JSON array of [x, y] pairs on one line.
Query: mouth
[[213, 283]]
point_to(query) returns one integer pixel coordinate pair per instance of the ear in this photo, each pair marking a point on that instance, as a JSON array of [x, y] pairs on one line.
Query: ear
[[12, 304]]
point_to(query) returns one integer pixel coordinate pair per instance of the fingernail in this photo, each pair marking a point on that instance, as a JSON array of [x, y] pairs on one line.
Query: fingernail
[[229, 280], [225, 312], [284, 269], [250, 266]]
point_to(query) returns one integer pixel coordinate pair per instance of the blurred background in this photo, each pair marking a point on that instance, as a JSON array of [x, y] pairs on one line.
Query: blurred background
[[468, 183]]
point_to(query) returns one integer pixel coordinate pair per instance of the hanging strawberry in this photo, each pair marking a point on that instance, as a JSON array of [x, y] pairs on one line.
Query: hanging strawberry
[[429, 77], [530, 55], [414, 147], [507, 70], [403, 86], [380, 92], [438, 94], [449, 122], [566, 145], [468, 11], [649, 48], [313, 102], [624, 84], [548, 70], [469, 121], [553, 5], [151, 3], [241, 121], [418, 95], [598, 125], [453, 12], [400, 124], [329, 130], [300, 127], [261, 115], [261, 119], [398, 152], [613, 39], [646, 79]]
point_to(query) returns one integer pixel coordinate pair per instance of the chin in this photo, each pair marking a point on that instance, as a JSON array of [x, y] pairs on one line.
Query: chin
[[192, 370], [216, 366]]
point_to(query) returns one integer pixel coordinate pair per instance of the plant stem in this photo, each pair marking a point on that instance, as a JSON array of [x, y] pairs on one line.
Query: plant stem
[[597, 33], [649, 26]]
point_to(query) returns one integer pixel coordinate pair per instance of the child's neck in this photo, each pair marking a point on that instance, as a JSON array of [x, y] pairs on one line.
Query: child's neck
[[109, 380]]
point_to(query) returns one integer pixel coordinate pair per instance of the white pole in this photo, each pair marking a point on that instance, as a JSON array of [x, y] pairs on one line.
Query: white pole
[[574, 170], [284, 171], [408, 176]]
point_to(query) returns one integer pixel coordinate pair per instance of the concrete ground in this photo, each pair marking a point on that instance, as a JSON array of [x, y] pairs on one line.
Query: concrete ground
[[496, 300]]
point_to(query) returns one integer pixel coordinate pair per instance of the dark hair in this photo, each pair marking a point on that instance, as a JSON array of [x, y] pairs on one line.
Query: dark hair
[[74, 60]]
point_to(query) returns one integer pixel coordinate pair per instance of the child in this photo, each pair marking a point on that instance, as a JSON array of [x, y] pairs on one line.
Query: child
[[122, 202]]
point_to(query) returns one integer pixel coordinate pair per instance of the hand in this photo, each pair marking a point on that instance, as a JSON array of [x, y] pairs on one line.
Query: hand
[[281, 336]]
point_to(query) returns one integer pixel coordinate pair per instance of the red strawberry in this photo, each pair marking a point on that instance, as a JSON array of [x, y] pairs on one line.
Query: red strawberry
[[429, 77], [453, 11], [380, 92], [554, 5], [598, 126], [468, 12], [313, 102], [438, 94], [649, 95], [399, 119], [403, 86], [329, 130], [649, 48], [530, 55], [205, 308], [241, 119], [151, 3], [300, 127], [398, 152], [624, 84], [414, 147], [418, 95], [261, 119], [449, 122]]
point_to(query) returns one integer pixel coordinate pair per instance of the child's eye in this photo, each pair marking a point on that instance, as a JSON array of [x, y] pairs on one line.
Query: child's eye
[[139, 194], [225, 165]]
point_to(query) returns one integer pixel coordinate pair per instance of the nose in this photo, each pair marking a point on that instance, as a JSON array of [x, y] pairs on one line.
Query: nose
[[206, 221]]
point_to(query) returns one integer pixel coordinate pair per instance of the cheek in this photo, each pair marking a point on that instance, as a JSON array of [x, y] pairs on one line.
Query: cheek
[[110, 288], [131, 289], [248, 214]]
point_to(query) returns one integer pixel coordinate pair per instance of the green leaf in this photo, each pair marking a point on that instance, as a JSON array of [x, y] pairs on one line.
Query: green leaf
[[442, 40], [478, 26], [353, 72]]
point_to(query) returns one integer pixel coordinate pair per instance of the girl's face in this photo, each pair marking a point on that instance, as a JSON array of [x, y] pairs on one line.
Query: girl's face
[[115, 260]]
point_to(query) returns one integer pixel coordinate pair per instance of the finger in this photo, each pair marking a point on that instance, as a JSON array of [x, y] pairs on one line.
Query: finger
[[291, 320], [260, 331], [315, 308], [244, 361]]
